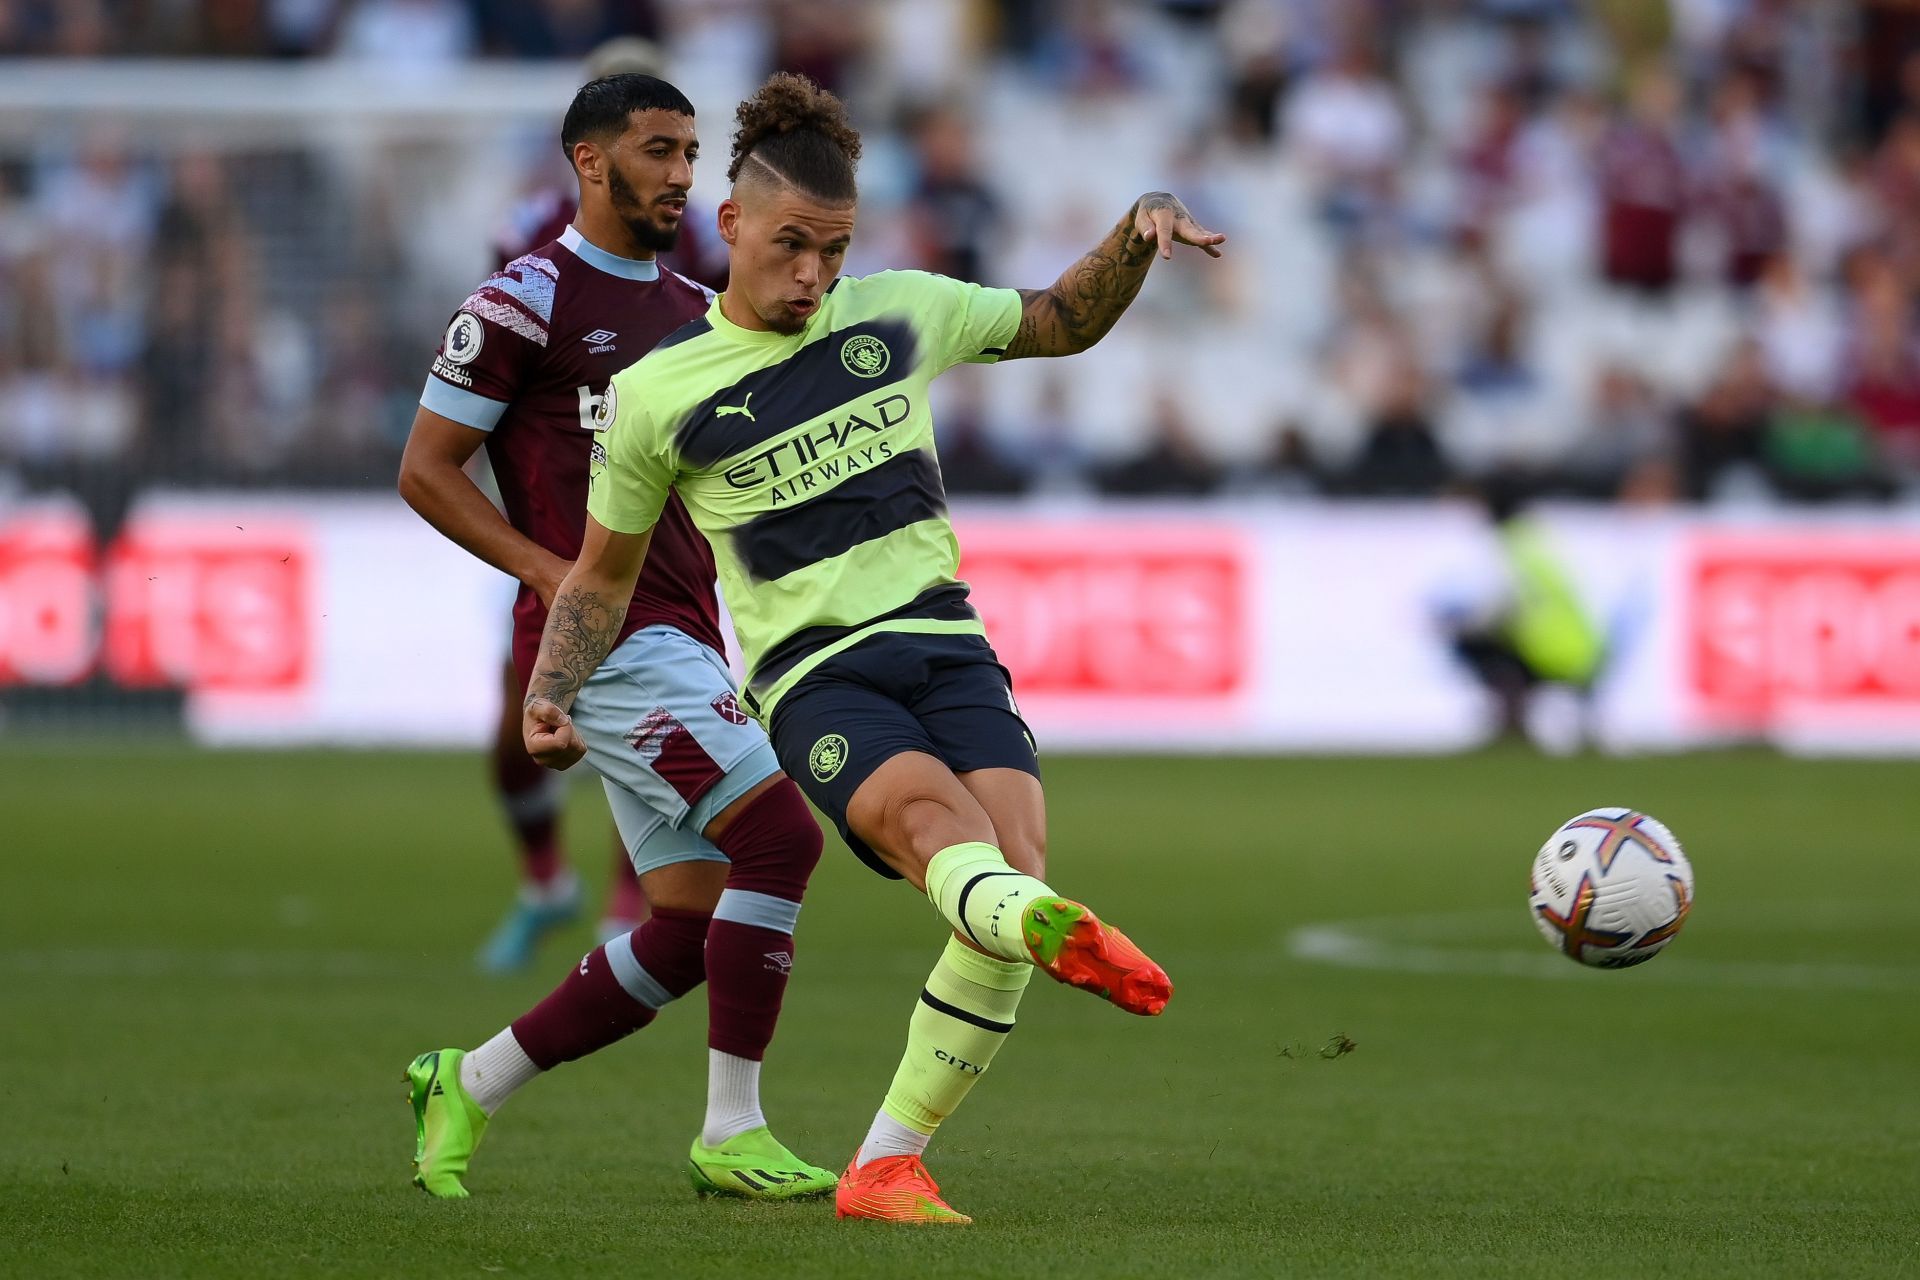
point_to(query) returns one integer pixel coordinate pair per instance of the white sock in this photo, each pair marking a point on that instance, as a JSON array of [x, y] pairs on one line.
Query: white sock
[[889, 1137], [733, 1097], [492, 1072]]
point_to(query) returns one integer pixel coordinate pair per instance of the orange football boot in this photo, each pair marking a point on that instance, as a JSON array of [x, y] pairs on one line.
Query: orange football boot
[[893, 1189], [1071, 944]]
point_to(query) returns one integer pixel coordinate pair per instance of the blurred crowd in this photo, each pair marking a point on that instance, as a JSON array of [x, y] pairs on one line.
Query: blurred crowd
[[1644, 250]]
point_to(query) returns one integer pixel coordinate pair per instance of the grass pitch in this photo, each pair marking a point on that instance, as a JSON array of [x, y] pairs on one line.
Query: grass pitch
[[214, 966]]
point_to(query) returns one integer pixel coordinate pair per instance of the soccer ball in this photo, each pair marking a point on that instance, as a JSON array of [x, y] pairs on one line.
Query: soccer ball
[[1611, 888]]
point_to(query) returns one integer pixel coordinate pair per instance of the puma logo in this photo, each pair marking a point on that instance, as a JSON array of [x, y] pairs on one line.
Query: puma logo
[[726, 409]]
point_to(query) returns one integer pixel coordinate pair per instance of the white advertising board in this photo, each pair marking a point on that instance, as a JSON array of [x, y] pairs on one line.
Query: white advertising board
[[1278, 627]]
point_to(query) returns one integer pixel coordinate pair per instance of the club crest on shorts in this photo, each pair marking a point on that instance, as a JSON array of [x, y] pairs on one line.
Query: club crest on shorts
[[865, 355], [727, 707], [827, 757]]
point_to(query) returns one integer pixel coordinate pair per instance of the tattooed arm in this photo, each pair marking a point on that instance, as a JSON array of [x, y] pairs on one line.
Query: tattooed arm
[[1086, 301], [582, 624]]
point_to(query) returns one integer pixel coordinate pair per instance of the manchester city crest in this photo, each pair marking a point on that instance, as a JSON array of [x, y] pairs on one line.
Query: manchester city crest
[[827, 757], [865, 355]]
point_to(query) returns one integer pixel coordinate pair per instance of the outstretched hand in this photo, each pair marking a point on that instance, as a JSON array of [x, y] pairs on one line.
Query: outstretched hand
[[549, 735], [1160, 219], [1082, 305]]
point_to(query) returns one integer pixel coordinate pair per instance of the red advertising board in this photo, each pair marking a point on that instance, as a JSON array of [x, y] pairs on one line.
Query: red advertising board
[[1816, 619], [210, 606], [47, 594], [1101, 609]]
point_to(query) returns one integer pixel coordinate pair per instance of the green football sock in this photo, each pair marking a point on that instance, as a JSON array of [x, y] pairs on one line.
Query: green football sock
[[982, 897], [961, 1021]]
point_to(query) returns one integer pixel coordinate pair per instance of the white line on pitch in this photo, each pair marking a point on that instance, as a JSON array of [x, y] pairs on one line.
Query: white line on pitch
[[1347, 944]]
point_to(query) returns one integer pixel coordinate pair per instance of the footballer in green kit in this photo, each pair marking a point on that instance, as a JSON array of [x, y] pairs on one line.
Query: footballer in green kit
[[792, 420]]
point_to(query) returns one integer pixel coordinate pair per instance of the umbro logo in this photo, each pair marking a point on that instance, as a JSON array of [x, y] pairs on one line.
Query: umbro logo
[[779, 962], [726, 409], [600, 340]]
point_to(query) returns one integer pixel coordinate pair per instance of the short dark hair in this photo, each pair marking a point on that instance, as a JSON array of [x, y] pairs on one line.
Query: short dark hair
[[602, 106], [800, 132]]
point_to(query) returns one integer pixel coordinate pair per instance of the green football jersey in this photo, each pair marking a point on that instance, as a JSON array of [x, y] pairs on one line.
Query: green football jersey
[[808, 462]]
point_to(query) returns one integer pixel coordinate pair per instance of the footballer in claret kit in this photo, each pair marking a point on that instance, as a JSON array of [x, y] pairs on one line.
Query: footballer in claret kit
[[723, 844], [550, 895]]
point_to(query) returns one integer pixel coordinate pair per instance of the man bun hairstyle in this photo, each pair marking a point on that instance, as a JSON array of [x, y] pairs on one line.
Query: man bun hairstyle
[[799, 133], [601, 108]]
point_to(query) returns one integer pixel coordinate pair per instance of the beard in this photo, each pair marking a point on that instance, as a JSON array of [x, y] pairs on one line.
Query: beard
[[639, 221], [783, 320]]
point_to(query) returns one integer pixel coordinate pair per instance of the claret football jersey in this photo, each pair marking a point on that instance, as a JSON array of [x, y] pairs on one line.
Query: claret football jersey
[[808, 462], [527, 359]]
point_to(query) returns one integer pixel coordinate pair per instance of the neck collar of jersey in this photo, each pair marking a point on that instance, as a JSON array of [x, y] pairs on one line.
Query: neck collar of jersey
[[611, 263], [752, 337]]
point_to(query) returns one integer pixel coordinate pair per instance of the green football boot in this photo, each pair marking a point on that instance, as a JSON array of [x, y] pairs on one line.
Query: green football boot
[[446, 1122], [755, 1166]]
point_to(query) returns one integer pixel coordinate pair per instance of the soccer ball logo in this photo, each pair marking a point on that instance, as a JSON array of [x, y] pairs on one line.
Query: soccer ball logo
[[865, 355], [1611, 888], [464, 337]]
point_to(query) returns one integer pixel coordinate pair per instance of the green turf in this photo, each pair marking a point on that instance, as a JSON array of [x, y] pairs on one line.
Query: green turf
[[213, 968]]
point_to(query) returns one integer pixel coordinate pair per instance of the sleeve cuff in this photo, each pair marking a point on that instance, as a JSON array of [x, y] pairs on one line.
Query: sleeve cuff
[[1003, 333], [625, 522], [464, 407]]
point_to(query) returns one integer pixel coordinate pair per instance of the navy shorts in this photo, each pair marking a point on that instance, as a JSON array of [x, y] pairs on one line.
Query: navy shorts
[[945, 695]]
